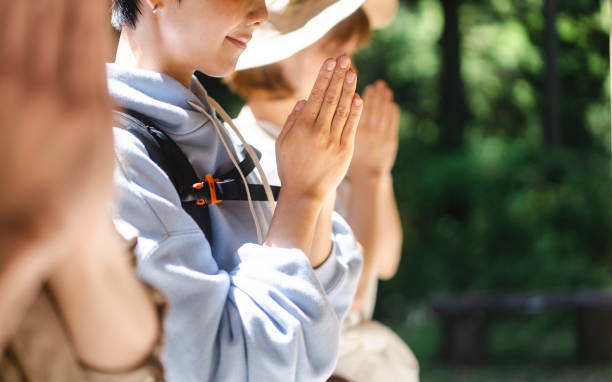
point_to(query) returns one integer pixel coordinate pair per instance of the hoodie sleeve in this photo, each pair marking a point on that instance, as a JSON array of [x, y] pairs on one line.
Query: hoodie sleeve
[[268, 319], [340, 273]]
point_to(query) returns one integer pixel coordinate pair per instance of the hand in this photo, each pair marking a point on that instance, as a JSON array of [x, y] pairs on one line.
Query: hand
[[377, 137], [316, 144], [56, 154]]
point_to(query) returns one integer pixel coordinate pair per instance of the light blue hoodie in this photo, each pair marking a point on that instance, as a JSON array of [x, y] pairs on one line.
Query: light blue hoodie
[[239, 311]]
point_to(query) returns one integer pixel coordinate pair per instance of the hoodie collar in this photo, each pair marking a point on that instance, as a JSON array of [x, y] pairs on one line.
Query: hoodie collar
[[159, 97], [247, 118]]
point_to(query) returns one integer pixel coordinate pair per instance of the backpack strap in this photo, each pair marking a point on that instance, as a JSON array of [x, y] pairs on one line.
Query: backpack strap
[[170, 158], [195, 194], [229, 185]]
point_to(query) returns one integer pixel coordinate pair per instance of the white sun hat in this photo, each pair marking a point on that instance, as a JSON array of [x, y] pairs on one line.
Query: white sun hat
[[294, 25]]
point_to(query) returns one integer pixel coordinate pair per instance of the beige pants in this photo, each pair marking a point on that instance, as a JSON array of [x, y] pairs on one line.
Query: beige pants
[[371, 352]]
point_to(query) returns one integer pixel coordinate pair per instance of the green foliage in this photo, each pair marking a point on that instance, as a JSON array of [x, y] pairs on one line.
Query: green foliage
[[504, 212], [501, 215], [549, 335], [406, 56], [502, 67]]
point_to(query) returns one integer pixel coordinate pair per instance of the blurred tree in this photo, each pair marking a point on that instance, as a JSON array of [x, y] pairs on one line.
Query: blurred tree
[[583, 70], [501, 211], [453, 110], [550, 93]]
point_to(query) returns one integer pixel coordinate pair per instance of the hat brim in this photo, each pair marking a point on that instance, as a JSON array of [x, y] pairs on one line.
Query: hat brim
[[380, 12], [269, 45]]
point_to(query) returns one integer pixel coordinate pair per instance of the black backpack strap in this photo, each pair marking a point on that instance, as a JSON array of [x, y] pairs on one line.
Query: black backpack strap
[[170, 158], [246, 166], [214, 190], [196, 195], [229, 185]]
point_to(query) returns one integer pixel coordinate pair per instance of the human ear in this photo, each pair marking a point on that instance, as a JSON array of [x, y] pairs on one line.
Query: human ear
[[155, 5]]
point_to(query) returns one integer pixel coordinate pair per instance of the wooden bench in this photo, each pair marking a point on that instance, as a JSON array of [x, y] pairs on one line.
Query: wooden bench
[[465, 320]]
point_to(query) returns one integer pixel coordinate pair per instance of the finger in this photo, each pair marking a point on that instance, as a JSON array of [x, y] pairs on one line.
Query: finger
[[350, 127], [101, 37], [334, 92], [313, 105], [384, 87], [377, 106], [393, 126], [384, 101], [388, 94], [44, 40], [13, 27], [372, 115], [388, 106], [378, 99], [83, 53], [384, 117], [290, 122], [344, 106], [369, 95]]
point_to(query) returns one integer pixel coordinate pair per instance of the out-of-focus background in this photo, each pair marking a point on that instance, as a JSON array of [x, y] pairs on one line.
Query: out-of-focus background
[[503, 178]]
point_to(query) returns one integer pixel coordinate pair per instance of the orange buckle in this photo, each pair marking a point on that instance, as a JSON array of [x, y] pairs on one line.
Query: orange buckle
[[211, 188]]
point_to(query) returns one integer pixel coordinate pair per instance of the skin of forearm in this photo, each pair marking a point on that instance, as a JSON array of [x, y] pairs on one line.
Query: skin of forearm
[[293, 223], [108, 311], [321, 242], [372, 214], [387, 265], [21, 278]]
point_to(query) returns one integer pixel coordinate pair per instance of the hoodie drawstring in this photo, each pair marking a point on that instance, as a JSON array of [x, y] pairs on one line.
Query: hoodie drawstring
[[264, 178], [217, 127]]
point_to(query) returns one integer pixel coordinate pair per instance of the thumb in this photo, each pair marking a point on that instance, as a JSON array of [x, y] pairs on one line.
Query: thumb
[[291, 119]]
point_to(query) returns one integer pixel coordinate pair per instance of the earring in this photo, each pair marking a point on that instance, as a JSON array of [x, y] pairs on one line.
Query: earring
[[155, 8]]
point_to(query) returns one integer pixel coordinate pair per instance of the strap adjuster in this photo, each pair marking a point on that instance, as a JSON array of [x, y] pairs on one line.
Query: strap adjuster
[[210, 181]]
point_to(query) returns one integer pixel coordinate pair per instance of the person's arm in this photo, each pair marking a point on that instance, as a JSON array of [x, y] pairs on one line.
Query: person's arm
[[313, 153], [56, 153], [109, 315], [57, 162], [108, 311], [268, 317], [322, 242], [22, 273], [339, 274], [372, 209], [374, 217]]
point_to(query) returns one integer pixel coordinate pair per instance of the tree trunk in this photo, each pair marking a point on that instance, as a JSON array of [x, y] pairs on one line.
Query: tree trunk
[[551, 119], [454, 113]]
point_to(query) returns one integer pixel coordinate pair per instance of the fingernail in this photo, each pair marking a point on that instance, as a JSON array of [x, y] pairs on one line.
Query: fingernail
[[345, 62], [331, 64], [299, 106], [350, 77], [357, 101]]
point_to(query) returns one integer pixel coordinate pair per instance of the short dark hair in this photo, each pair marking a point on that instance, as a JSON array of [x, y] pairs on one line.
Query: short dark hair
[[125, 13]]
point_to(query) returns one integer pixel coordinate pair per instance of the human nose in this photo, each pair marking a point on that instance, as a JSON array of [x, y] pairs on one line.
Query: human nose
[[258, 14]]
